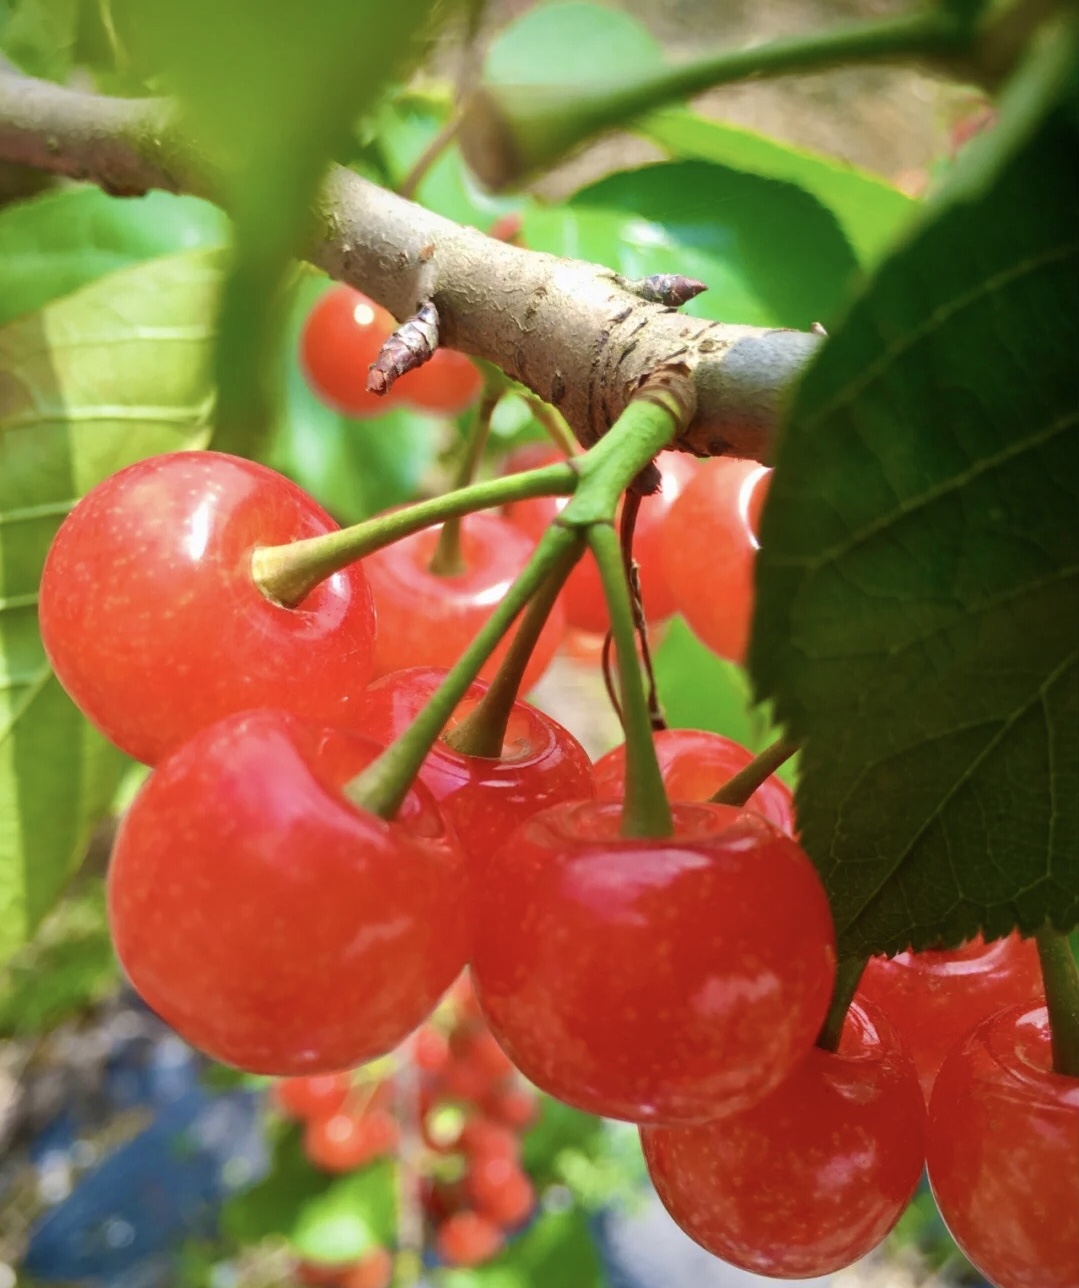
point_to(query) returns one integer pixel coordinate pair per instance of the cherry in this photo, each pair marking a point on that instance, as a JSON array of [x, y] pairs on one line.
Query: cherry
[[516, 1107], [1003, 1152], [482, 1138], [810, 1178], [154, 624], [273, 924], [585, 606], [426, 619], [373, 1270], [430, 1050], [316, 1097], [694, 765], [658, 980], [468, 1239], [448, 383], [935, 998], [483, 798], [341, 337], [500, 1191], [343, 1142], [710, 549]]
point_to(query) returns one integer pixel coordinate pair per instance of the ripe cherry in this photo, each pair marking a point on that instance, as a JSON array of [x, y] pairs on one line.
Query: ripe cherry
[[425, 619], [345, 1141], [1003, 1152], [341, 337], [500, 1191], [710, 549], [447, 384], [658, 980], [317, 1097], [152, 619], [694, 765], [810, 1178], [272, 923], [373, 1270], [483, 798], [934, 998], [468, 1239]]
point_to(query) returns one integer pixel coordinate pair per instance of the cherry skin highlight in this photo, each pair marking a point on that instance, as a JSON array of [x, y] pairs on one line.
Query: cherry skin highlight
[[812, 1177], [1003, 1152], [274, 925], [934, 998], [484, 799], [152, 619], [657, 980], [710, 550], [694, 765], [341, 338], [425, 619]]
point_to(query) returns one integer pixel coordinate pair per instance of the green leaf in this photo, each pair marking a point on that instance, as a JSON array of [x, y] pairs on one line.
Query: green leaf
[[917, 585], [40, 36], [116, 371], [64, 239], [771, 254], [870, 211], [349, 1217], [271, 1207], [68, 966]]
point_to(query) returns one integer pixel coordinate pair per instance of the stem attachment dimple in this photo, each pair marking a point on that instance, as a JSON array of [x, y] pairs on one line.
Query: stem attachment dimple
[[1061, 977]]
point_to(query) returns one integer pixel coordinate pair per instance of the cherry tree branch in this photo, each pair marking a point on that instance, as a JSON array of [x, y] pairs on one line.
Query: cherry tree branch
[[574, 333]]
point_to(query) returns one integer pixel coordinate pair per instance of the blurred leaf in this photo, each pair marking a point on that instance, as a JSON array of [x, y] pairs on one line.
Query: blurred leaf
[[556, 1248], [68, 966], [349, 1217], [559, 1127], [271, 1207], [917, 583], [770, 253], [64, 239], [352, 467], [114, 372], [699, 690], [274, 88], [870, 211], [39, 36]]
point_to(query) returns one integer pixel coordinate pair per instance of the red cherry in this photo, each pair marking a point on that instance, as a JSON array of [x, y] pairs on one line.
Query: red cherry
[[1003, 1152], [481, 1138], [447, 384], [658, 980], [484, 799], [812, 1177], [429, 620], [586, 608], [154, 624], [321, 1274], [935, 998], [373, 1270], [516, 1107], [500, 1191], [430, 1050], [694, 765], [344, 1142], [276, 926], [710, 549], [316, 1097], [341, 337], [468, 1239]]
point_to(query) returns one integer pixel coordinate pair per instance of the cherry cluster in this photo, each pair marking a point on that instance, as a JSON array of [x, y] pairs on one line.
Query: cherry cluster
[[467, 1107]]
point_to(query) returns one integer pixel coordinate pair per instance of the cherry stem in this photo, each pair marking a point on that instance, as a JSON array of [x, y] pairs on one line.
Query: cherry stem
[[847, 976], [645, 809], [288, 573], [1061, 977], [383, 785], [738, 790], [553, 423], [447, 560], [483, 731], [427, 158]]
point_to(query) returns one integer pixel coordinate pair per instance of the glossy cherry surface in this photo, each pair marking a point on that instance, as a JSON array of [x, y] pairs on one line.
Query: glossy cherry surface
[[583, 593], [695, 764], [1003, 1152], [934, 998], [812, 1177], [425, 619], [154, 624], [446, 384], [341, 337], [710, 549], [657, 980], [483, 798], [273, 924]]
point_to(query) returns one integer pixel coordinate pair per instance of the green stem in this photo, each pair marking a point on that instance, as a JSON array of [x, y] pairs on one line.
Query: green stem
[[287, 573], [1062, 998], [427, 158], [554, 424], [847, 975], [447, 560], [384, 783], [738, 790], [483, 731], [645, 810]]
